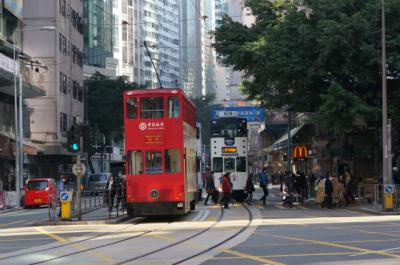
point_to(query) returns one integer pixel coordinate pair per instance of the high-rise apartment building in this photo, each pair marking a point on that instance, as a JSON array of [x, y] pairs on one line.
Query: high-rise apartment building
[[191, 47], [156, 23], [208, 54], [227, 81], [62, 52], [98, 38]]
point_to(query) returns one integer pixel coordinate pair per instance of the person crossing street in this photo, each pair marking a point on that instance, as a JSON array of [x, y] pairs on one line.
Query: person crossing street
[[264, 185]]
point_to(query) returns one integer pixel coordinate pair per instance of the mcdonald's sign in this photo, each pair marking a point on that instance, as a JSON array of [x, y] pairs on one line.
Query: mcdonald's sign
[[300, 151]]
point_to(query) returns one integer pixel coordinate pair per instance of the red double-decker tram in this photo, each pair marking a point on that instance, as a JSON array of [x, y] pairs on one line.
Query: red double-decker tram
[[160, 149]]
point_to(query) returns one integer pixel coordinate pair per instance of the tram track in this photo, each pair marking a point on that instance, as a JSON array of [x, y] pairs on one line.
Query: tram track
[[65, 245], [93, 248], [221, 242], [175, 243]]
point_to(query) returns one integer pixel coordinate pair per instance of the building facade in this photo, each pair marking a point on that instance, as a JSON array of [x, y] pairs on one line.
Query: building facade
[[24, 66], [98, 38], [62, 53]]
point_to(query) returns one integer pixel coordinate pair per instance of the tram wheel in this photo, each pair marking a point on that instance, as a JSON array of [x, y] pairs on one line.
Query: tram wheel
[[193, 205]]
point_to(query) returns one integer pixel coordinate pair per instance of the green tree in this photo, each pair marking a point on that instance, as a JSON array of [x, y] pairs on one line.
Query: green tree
[[105, 105], [204, 106], [319, 56]]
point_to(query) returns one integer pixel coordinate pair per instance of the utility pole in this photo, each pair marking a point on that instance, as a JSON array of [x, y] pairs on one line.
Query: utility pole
[[385, 169], [289, 143]]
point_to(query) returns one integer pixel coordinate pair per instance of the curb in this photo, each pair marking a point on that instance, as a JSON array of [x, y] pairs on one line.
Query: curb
[[372, 211], [10, 210], [92, 222]]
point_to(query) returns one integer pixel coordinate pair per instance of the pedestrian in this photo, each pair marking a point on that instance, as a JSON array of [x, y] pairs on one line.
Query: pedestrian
[[264, 185], [301, 187], [249, 189], [111, 192], [226, 189], [288, 189], [348, 188], [210, 187], [311, 185], [328, 193], [320, 190], [61, 186]]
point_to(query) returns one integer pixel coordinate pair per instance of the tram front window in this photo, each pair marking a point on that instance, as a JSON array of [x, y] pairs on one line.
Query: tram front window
[[229, 164], [241, 164], [217, 164], [135, 162], [172, 161], [153, 162], [152, 108]]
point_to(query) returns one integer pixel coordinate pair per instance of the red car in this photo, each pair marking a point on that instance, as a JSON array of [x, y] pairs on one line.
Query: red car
[[38, 191]]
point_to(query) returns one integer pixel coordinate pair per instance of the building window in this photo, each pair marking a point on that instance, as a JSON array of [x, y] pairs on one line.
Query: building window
[[63, 122], [80, 94], [63, 44], [63, 83], [75, 87], [63, 7]]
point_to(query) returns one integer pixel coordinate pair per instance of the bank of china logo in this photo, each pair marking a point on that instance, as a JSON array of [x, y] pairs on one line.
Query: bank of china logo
[[142, 126]]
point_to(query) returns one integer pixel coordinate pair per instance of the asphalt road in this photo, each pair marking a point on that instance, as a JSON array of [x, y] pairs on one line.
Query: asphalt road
[[276, 235]]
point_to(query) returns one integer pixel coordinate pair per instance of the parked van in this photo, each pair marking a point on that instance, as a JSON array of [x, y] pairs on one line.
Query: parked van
[[38, 191], [98, 182]]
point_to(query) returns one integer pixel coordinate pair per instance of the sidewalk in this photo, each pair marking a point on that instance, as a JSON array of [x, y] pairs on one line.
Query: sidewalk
[[93, 216]]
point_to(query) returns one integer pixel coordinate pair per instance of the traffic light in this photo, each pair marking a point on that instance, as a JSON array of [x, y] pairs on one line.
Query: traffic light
[[74, 138]]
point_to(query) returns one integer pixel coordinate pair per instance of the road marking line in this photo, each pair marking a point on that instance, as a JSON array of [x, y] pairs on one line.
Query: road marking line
[[13, 223], [53, 236], [280, 207], [205, 215], [62, 240], [293, 255], [329, 244], [378, 233], [24, 239], [361, 254], [251, 257]]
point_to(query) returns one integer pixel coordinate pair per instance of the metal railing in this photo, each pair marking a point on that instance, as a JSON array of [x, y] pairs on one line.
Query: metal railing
[[372, 195], [91, 200]]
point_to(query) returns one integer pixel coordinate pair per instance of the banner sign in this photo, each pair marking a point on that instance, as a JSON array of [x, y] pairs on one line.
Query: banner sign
[[15, 7], [251, 114]]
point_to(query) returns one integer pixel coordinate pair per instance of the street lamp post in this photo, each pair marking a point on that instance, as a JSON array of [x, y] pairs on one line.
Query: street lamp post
[[385, 169], [18, 116]]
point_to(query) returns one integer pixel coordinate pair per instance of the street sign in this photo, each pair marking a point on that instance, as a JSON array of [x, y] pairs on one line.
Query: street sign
[[79, 169], [66, 196], [389, 188]]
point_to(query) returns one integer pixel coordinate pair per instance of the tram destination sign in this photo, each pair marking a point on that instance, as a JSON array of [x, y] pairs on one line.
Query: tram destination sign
[[251, 114]]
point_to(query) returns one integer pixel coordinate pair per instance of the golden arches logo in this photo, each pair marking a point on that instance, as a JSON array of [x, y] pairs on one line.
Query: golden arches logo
[[300, 151]]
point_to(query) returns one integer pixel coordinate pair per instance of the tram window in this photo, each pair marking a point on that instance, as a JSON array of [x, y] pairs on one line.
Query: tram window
[[241, 164], [229, 164], [172, 161], [173, 107], [217, 164], [152, 108], [131, 108], [135, 162], [153, 162]]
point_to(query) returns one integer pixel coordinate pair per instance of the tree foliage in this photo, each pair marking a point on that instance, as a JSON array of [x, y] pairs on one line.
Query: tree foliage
[[204, 106], [105, 105], [315, 55]]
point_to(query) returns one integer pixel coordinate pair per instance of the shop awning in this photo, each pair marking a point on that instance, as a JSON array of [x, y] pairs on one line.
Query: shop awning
[[282, 142]]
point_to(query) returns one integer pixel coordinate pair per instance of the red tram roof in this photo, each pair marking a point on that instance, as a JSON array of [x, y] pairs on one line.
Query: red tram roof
[[159, 91]]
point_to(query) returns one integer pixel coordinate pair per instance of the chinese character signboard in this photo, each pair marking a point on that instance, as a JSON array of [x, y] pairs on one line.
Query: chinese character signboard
[[251, 114]]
